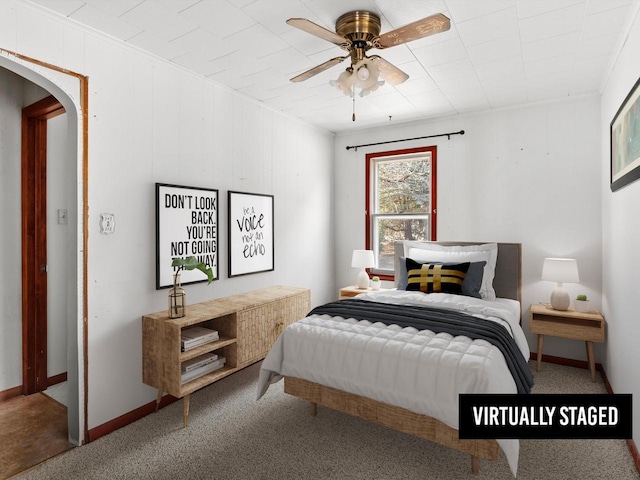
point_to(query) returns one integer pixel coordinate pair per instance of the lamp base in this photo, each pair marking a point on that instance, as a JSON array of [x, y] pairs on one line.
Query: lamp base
[[362, 280], [560, 298]]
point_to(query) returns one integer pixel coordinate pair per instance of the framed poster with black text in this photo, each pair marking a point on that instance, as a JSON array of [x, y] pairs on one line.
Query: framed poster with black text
[[625, 141], [250, 233], [186, 225]]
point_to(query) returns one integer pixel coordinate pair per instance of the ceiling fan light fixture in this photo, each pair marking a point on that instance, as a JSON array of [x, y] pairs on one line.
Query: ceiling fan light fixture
[[345, 82], [361, 79], [357, 32], [371, 88], [363, 73]]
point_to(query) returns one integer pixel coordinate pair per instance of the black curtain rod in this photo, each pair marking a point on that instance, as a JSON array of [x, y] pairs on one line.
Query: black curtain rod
[[448, 135]]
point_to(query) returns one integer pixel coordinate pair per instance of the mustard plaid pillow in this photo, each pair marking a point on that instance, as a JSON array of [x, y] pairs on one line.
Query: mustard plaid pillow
[[436, 278]]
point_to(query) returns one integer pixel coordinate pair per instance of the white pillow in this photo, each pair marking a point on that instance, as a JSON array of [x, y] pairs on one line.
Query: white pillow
[[459, 253]]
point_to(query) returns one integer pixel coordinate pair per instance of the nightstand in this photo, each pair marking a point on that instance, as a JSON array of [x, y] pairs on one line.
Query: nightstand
[[352, 291], [588, 327]]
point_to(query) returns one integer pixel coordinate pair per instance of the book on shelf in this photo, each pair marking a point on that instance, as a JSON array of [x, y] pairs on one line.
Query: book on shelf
[[195, 336], [203, 370], [199, 361]]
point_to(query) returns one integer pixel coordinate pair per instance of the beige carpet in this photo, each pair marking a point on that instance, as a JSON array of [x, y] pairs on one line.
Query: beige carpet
[[231, 436]]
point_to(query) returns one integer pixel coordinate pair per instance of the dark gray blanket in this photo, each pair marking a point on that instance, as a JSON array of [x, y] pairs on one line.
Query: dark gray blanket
[[437, 320]]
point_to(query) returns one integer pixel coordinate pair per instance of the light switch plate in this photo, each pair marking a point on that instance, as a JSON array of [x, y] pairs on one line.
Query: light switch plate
[[62, 216], [107, 223]]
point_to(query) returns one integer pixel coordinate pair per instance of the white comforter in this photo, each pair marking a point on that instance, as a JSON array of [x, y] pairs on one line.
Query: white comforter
[[417, 370]]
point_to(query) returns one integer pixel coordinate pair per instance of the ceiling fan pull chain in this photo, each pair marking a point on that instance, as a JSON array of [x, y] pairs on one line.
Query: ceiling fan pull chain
[[353, 115]]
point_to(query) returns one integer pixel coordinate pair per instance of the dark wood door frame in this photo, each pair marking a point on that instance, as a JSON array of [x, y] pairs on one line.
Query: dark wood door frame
[[34, 242]]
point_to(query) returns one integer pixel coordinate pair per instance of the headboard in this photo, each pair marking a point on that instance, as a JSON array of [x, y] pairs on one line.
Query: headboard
[[508, 274]]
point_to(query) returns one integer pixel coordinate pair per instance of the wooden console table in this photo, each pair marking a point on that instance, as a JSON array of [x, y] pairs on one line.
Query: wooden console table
[[248, 325]]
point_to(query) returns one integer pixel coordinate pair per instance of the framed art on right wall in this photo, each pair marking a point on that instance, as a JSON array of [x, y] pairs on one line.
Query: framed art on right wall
[[625, 141]]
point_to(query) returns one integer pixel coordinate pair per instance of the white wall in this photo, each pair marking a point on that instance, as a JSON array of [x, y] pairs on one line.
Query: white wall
[[16, 93], [529, 175], [621, 236], [11, 98], [59, 174], [154, 122]]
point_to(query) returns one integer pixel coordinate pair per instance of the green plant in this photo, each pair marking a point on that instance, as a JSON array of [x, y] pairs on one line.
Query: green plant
[[582, 297], [375, 279], [191, 263]]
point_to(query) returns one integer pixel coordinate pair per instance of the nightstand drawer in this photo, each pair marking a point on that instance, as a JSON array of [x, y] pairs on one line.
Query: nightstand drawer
[[576, 328], [588, 327]]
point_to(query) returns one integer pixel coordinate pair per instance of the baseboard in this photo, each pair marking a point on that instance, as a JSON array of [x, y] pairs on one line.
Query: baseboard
[[17, 391], [607, 385], [568, 362], [61, 377], [634, 453], [127, 418], [10, 393]]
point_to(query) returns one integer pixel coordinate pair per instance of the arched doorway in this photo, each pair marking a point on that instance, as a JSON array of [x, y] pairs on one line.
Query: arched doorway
[[71, 90]]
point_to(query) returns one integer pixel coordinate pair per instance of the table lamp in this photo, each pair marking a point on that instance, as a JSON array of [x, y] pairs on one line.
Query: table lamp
[[560, 270], [362, 259]]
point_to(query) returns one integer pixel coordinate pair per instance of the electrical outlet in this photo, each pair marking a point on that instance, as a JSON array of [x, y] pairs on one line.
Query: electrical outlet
[[107, 223]]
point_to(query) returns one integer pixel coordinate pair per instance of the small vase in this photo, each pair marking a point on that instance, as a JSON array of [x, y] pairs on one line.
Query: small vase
[[177, 299], [581, 306]]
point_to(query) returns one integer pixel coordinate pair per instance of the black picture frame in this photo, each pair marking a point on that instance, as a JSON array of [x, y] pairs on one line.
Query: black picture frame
[[186, 225], [250, 233], [625, 141]]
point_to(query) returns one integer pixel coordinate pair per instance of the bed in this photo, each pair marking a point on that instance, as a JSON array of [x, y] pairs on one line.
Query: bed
[[383, 357]]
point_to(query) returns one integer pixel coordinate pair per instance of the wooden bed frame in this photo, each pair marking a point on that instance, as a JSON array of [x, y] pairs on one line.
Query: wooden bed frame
[[507, 284]]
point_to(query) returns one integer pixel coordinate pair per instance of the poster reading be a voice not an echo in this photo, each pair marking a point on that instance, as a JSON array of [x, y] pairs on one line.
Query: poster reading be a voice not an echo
[[250, 233]]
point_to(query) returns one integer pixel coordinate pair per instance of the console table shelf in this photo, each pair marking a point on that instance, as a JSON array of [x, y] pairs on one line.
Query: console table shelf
[[247, 323], [209, 347]]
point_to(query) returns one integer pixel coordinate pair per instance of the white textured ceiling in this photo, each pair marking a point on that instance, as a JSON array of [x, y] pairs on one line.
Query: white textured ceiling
[[497, 53]]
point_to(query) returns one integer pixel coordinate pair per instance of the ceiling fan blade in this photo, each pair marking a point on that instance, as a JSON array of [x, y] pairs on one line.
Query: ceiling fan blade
[[315, 29], [422, 28], [318, 69], [389, 72]]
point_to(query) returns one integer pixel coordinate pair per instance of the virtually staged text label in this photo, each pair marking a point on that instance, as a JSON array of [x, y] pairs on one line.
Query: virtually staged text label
[[566, 415], [545, 416]]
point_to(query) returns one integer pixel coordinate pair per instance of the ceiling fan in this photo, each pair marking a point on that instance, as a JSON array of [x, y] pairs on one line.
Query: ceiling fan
[[359, 31]]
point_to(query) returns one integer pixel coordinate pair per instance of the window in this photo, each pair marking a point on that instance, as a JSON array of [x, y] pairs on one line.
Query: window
[[400, 203]]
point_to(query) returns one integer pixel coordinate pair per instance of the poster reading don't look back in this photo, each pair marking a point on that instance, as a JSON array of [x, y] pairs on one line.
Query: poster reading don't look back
[[186, 225]]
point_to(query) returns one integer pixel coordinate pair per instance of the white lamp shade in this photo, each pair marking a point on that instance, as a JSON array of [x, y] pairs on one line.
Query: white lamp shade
[[561, 270], [363, 259]]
